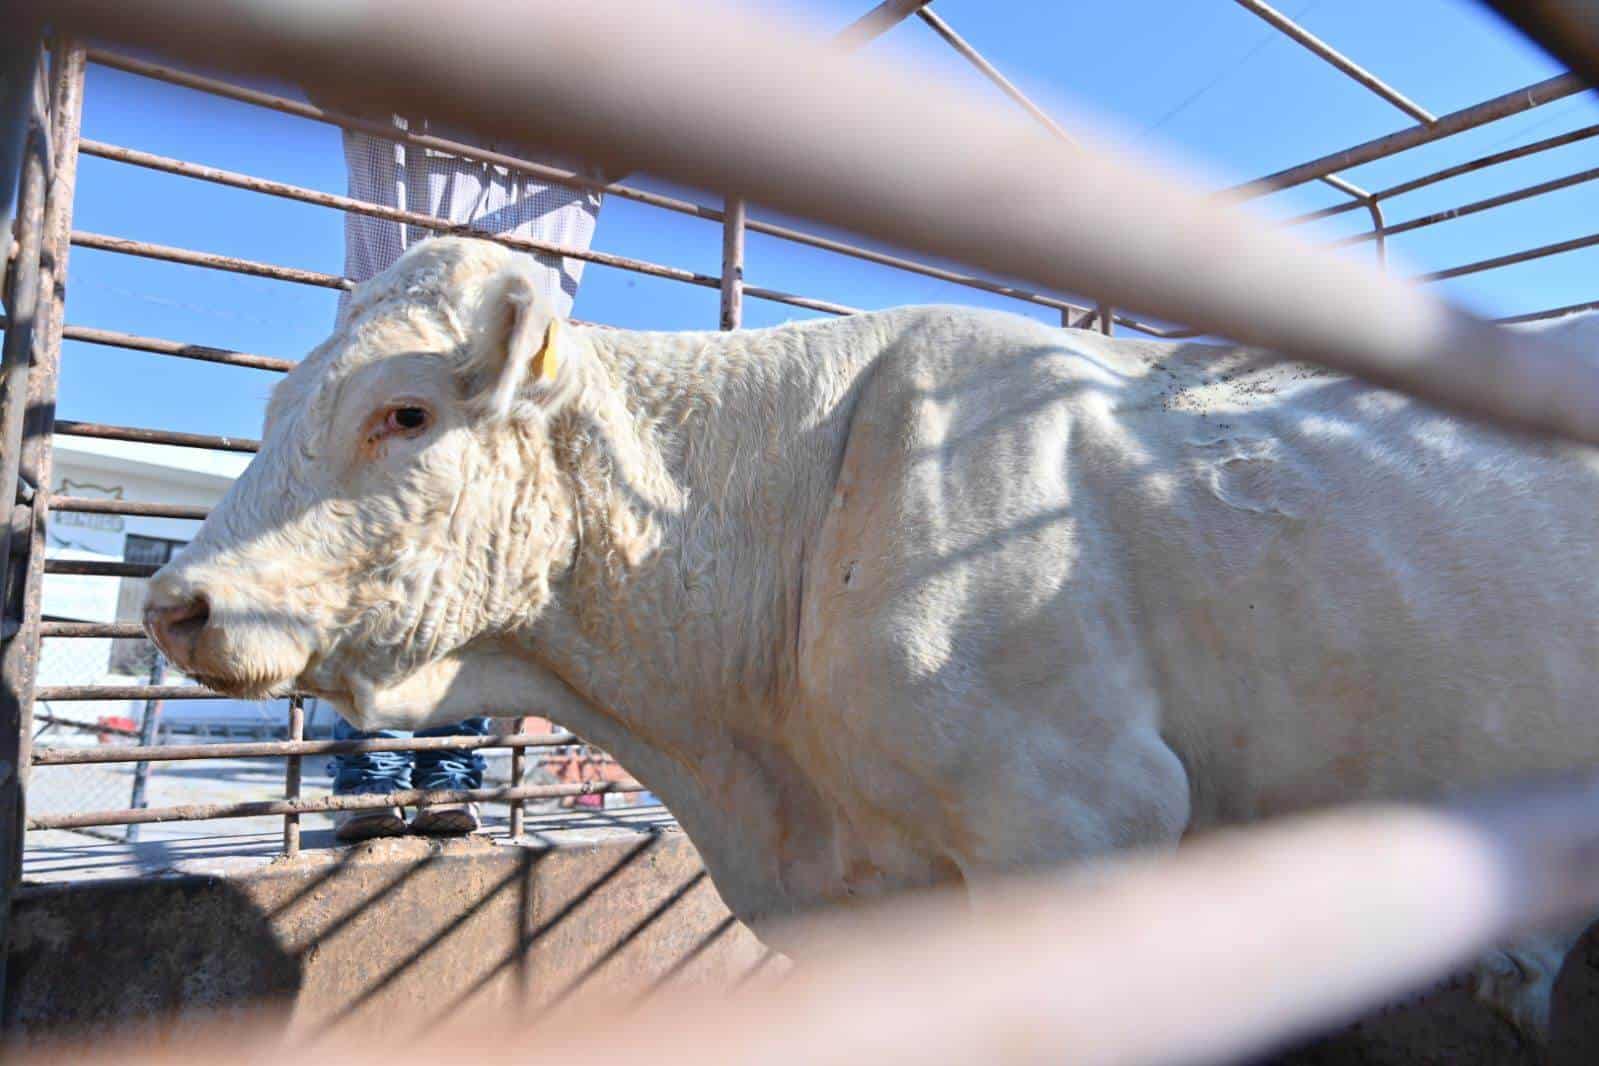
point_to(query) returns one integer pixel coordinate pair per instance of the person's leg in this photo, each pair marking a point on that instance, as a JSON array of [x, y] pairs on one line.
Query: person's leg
[[367, 773], [451, 769]]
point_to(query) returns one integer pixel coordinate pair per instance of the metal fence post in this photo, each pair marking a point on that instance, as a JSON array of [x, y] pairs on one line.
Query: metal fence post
[[291, 777], [31, 350], [518, 772], [732, 263], [149, 726]]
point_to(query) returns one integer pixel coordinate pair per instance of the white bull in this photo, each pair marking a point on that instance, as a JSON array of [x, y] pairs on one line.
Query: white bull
[[923, 595]]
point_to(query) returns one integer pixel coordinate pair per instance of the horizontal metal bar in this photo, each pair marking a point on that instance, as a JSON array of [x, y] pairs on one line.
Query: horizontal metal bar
[[84, 693], [1553, 312], [1349, 67], [712, 214], [1511, 103], [88, 505], [117, 630], [393, 214], [1396, 228], [391, 132], [229, 263], [285, 748], [196, 812], [1064, 220], [156, 346], [800, 301], [1468, 167], [1490, 160], [1541, 252], [78, 723], [103, 431], [99, 568]]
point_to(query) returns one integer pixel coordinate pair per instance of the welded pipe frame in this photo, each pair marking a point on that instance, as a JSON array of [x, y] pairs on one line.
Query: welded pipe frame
[[733, 222], [306, 277]]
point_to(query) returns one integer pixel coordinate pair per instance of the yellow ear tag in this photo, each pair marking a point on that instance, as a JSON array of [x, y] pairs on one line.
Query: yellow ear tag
[[547, 363]]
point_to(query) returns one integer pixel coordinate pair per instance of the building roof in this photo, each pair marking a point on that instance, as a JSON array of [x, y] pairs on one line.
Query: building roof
[[193, 465]]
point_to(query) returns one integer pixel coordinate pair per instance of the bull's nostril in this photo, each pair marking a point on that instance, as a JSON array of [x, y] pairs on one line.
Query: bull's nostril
[[177, 628]]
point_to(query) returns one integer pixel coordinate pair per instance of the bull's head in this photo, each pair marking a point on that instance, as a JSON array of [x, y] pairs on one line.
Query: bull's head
[[405, 502]]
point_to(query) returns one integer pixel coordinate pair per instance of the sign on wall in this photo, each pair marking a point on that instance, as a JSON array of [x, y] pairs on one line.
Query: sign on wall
[[109, 523]]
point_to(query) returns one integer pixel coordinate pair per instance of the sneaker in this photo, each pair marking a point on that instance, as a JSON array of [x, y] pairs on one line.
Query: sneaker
[[350, 826], [447, 820]]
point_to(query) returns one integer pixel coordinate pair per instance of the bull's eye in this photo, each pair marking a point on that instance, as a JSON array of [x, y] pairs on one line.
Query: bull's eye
[[409, 417], [405, 420]]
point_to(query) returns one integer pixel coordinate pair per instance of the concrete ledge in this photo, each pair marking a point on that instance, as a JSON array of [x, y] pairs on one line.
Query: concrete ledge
[[392, 932], [401, 932]]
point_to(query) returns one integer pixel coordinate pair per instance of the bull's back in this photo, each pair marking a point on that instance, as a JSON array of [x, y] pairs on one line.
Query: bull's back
[[1346, 594]]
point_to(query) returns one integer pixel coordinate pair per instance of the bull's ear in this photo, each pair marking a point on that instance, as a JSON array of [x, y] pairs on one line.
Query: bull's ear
[[527, 355]]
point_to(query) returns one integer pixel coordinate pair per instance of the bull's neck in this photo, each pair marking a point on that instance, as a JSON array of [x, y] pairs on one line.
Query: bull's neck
[[681, 611]]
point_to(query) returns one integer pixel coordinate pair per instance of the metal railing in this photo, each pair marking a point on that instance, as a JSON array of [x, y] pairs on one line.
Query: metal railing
[[35, 325]]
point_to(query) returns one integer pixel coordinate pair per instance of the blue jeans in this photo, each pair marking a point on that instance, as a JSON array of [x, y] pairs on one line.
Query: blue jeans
[[389, 771]]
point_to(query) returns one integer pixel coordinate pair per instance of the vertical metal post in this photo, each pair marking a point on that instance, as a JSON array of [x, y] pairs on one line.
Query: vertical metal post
[[291, 777], [1379, 227], [1107, 319], [149, 728], [27, 413], [732, 263], [518, 772]]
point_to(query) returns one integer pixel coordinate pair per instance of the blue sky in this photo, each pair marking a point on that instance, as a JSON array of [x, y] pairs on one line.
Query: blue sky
[[1199, 81]]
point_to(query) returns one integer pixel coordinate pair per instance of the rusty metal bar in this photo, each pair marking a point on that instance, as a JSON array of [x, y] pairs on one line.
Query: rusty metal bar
[[87, 505], [71, 428], [1474, 207], [989, 71], [283, 104], [195, 812], [149, 727], [23, 305], [388, 131], [800, 301], [122, 630], [1349, 67], [359, 207], [1541, 252], [733, 264], [296, 748], [26, 442], [68, 693], [211, 261], [1082, 221], [75, 723], [431, 222], [518, 778], [900, 263], [291, 778], [1511, 103], [1553, 312], [878, 21], [99, 568], [157, 346], [23, 298], [1378, 225], [1470, 166]]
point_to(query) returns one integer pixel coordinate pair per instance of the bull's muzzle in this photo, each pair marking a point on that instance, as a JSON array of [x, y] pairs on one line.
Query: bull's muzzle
[[176, 626]]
